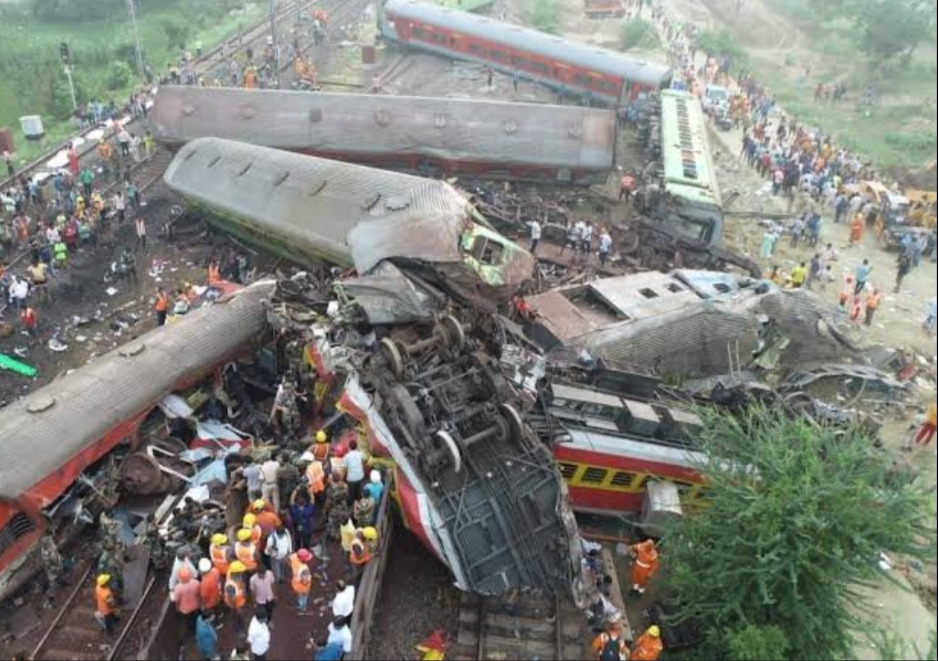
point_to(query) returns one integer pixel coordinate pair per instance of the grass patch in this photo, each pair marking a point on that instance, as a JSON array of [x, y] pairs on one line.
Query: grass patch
[[32, 80], [545, 16], [639, 33], [722, 43]]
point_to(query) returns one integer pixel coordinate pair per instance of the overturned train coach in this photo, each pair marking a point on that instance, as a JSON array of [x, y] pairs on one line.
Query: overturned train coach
[[427, 136], [313, 210], [571, 67], [56, 444]]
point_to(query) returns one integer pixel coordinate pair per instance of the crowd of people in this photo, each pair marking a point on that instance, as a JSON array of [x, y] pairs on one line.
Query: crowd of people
[[274, 555], [806, 165]]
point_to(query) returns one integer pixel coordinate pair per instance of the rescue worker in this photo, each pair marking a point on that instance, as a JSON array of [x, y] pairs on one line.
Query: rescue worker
[[236, 595], [51, 564], [315, 472], [374, 489], [873, 300], [30, 321], [279, 547], [610, 645], [161, 307], [220, 553], [105, 611], [249, 521], [246, 551], [648, 647], [370, 534], [359, 554], [644, 565], [856, 229], [626, 188], [210, 585], [336, 505], [301, 578], [265, 517], [363, 511], [214, 274], [183, 561], [110, 562], [187, 597]]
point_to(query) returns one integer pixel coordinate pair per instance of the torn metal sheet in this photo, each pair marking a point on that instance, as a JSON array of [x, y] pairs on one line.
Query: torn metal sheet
[[387, 296], [868, 376], [173, 406]]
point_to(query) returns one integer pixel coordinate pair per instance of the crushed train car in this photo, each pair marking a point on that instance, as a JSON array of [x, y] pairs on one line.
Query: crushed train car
[[313, 210], [688, 323], [58, 440], [426, 136]]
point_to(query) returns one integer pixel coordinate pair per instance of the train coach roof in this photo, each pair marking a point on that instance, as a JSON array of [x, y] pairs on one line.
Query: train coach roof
[[42, 432], [594, 58], [347, 214], [347, 125]]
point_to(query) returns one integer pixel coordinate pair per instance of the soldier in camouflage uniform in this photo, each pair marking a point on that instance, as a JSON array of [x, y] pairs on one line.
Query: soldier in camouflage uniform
[[111, 561], [364, 512], [336, 505], [53, 566]]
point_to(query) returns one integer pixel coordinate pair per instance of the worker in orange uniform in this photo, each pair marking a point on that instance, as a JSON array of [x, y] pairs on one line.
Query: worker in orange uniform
[[250, 522], [316, 472], [302, 578], [648, 646], [265, 517], [250, 78], [856, 229], [161, 307], [610, 645], [214, 273], [220, 553], [105, 611], [187, 595], [236, 596], [644, 565], [246, 551], [874, 298], [210, 585], [359, 555]]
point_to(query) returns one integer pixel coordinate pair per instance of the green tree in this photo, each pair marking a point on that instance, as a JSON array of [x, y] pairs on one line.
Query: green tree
[[890, 28], [177, 32], [638, 34], [545, 16], [119, 76], [796, 519], [753, 643]]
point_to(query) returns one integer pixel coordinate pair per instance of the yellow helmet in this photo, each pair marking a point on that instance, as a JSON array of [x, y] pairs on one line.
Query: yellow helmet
[[654, 631], [259, 505], [370, 533], [321, 436], [249, 520], [244, 535], [103, 579], [219, 538], [237, 567]]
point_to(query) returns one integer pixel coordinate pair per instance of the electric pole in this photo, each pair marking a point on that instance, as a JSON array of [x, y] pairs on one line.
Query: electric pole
[[66, 62], [273, 42], [133, 20]]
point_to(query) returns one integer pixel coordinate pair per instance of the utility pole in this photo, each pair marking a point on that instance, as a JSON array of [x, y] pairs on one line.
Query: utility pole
[[273, 41], [67, 63], [133, 20]]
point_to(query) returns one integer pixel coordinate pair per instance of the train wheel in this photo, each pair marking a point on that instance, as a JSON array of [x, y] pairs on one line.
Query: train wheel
[[513, 418], [455, 332], [392, 357], [444, 440]]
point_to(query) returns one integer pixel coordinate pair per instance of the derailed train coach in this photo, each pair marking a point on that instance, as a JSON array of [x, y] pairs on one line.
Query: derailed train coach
[[571, 67], [428, 136], [57, 444], [313, 210]]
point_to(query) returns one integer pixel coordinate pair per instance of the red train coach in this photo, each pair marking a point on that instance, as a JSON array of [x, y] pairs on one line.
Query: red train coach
[[570, 66], [66, 429]]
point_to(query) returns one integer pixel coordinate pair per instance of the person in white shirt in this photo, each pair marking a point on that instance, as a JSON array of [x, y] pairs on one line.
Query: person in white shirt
[[354, 471], [279, 547], [605, 245], [344, 600], [259, 635], [52, 235], [579, 228], [269, 489], [19, 292], [587, 238], [340, 633], [535, 235], [182, 560]]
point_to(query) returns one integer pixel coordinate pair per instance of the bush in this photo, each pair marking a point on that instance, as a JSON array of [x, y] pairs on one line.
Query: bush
[[757, 643], [544, 16], [119, 76], [177, 32], [723, 44], [639, 34]]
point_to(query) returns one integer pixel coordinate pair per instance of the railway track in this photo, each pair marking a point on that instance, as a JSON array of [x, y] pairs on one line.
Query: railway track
[[537, 628], [74, 634], [285, 14]]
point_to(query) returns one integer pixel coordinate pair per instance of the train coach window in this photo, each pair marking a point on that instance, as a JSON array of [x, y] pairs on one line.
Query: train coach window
[[439, 38], [567, 470], [623, 479], [582, 80], [19, 526], [420, 33], [476, 49], [607, 86], [520, 62], [594, 475], [498, 55], [487, 252], [540, 67]]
